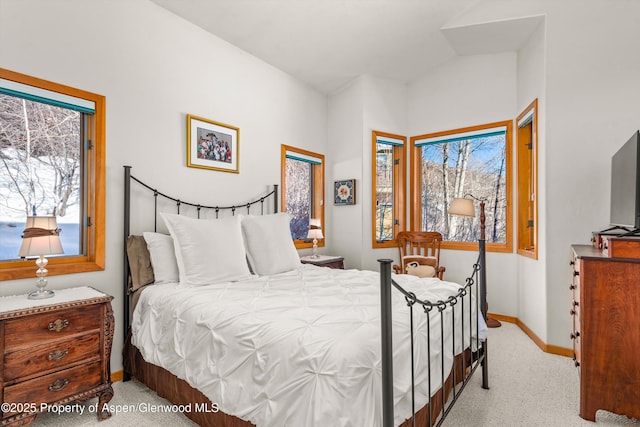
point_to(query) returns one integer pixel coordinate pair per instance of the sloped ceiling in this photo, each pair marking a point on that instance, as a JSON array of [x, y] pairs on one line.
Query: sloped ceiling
[[327, 43], [491, 37]]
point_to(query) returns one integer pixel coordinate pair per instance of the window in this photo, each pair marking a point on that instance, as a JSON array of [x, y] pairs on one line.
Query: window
[[389, 183], [471, 161], [302, 191], [52, 162], [527, 181]]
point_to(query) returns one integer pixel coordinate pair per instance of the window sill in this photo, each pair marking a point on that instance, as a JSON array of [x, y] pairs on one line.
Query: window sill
[[26, 269], [305, 244], [529, 253], [474, 246]]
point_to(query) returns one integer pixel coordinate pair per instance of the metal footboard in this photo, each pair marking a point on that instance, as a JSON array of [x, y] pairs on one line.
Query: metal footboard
[[453, 382]]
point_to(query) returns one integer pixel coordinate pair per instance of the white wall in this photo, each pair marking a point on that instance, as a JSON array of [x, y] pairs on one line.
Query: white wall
[[593, 88], [468, 91], [364, 105], [155, 68], [532, 289], [345, 236], [385, 109]]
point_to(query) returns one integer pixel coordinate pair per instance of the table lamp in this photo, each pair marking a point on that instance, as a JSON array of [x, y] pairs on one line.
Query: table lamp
[[40, 238], [315, 233]]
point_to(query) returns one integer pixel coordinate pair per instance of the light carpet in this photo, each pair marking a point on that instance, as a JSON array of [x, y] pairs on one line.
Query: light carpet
[[527, 388]]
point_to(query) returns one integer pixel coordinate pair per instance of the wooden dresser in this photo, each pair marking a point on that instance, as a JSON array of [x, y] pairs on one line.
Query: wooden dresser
[[54, 352], [606, 326]]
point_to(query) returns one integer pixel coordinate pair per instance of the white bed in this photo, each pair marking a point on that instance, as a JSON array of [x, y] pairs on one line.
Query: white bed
[[227, 314], [300, 348]]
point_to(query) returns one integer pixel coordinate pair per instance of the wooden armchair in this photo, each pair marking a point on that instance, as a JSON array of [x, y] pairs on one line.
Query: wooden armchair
[[420, 245]]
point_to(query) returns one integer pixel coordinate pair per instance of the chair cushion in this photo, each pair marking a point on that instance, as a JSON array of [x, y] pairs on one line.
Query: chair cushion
[[415, 269], [420, 260]]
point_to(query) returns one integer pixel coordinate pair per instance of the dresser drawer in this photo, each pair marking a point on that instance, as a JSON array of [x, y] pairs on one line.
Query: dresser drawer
[[56, 355], [575, 280], [577, 353], [575, 263], [22, 333], [575, 311], [54, 387]]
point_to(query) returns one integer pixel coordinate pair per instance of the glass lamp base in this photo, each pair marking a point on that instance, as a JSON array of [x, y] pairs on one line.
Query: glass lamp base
[[41, 294]]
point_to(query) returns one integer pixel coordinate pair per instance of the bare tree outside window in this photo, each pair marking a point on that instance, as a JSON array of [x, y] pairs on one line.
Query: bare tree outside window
[[302, 177], [298, 196], [453, 169], [384, 192], [40, 169], [389, 199]]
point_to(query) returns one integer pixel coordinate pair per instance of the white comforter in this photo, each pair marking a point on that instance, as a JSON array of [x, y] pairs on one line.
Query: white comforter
[[300, 348]]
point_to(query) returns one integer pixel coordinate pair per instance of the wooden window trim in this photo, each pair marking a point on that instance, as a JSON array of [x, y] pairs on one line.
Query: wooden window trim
[[399, 190], [318, 191], [527, 169], [96, 179], [415, 169]]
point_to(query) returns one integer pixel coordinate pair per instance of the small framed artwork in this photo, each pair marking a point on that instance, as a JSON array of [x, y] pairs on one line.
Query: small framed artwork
[[212, 145], [344, 192]]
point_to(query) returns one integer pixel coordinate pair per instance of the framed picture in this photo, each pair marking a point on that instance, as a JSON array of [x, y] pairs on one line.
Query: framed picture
[[344, 192], [212, 145]]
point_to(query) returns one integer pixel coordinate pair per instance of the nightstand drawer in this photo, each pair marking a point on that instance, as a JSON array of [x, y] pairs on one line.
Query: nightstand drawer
[[335, 264], [324, 261], [54, 387], [57, 355], [40, 328]]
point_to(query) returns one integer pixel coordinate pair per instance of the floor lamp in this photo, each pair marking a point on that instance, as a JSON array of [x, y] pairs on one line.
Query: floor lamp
[[465, 207]]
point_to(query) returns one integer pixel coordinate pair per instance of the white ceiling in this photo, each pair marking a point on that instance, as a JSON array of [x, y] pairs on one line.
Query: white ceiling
[[327, 43]]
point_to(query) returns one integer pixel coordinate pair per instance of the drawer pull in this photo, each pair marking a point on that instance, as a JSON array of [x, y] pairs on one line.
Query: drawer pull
[[576, 303], [576, 273], [572, 312], [577, 364], [58, 385], [57, 355], [574, 336], [572, 287], [58, 325]]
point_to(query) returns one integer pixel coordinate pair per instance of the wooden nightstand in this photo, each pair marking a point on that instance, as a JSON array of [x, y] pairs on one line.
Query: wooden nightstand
[[54, 352], [324, 261]]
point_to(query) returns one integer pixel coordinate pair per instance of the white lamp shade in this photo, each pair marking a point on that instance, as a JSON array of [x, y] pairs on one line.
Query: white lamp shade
[[46, 222], [315, 230], [42, 244], [462, 207], [315, 234]]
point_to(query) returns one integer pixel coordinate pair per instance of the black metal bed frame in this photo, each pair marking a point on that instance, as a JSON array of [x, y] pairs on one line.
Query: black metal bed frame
[[476, 283], [478, 358]]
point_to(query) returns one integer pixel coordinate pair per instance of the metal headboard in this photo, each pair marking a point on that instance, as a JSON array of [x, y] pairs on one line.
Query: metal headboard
[[128, 178]]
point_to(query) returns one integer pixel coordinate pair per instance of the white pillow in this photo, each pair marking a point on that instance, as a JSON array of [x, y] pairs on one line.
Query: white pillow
[[163, 257], [208, 250], [270, 247]]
